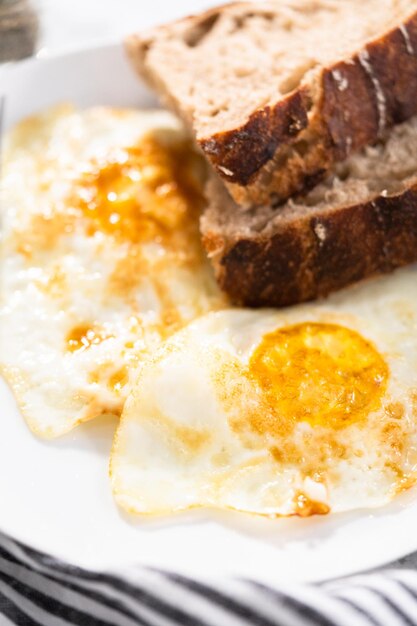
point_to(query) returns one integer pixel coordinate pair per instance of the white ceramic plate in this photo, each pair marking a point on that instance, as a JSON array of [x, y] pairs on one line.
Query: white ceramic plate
[[56, 495]]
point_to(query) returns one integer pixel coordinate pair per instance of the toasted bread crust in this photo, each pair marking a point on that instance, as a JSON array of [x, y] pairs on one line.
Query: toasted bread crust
[[243, 151], [318, 254], [359, 99], [282, 147]]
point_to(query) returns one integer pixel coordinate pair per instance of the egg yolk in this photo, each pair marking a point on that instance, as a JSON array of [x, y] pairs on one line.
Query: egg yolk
[[142, 192], [323, 374]]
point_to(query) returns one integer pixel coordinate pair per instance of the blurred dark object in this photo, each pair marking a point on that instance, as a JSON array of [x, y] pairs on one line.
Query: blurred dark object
[[18, 29]]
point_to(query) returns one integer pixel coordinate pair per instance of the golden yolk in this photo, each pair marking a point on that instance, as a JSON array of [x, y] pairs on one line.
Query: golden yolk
[[82, 337], [323, 374], [142, 192]]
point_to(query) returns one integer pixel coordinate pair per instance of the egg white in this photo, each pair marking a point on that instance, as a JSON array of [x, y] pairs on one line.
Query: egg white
[[175, 448], [66, 283]]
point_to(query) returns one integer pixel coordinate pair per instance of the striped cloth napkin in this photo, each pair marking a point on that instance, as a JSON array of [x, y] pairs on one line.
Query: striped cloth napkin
[[36, 589]]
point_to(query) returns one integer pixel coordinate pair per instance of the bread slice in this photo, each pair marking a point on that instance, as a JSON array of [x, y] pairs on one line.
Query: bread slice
[[359, 222], [277, 92]]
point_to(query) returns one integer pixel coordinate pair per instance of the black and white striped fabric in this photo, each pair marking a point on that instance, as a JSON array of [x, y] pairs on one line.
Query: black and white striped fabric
[[38, 590]]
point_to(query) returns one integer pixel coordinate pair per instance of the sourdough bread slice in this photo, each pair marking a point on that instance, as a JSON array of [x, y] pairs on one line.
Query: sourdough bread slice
[[359, 222], [277, 92]]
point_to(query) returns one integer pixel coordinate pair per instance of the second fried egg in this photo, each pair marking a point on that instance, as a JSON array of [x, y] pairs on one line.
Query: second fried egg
[[101, 257], [303, 411]]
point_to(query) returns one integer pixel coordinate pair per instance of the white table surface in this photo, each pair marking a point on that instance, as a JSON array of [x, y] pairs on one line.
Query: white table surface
[[71, 23]]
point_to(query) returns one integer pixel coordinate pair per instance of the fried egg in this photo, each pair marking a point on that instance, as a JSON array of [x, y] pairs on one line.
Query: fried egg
[[295, 412], [101, 257]]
